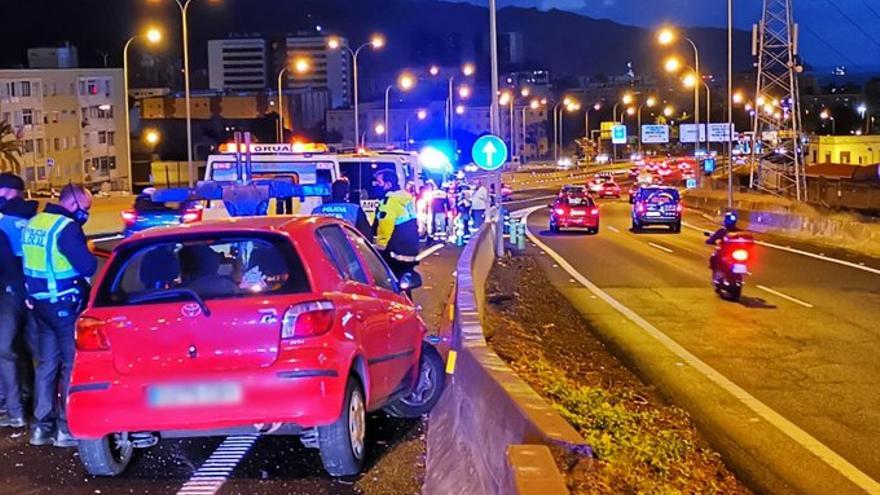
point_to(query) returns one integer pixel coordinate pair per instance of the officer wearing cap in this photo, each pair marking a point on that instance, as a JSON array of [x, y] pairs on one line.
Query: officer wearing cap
[[57, 261], [14, 215], [340, 207]]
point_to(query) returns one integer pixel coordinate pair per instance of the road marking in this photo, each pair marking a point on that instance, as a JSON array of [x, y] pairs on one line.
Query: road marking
[[807, 441], [661, 248], [539, 198], [217, 469], [785, 296], [431, 250], [808, 254], [613, 229]]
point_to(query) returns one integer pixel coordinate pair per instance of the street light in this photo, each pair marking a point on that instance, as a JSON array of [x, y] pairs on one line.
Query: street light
[[597, 106], [300, 66], [738, 97], [667, 36], [650, 102], [507, 98], [422, 114], [568, 104], [672, 65], [464, 92], [153, 36], [467, 70], [376, 42], [434, 70], [668, 111], [459, 109], [379, 129], [826, 115], [533, 105], [152, 137], [405, 82]]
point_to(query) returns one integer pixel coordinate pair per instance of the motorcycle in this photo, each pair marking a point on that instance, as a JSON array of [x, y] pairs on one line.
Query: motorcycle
[[729, 265]]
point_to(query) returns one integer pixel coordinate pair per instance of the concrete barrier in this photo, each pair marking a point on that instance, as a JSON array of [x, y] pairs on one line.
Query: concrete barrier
[[487, 433]]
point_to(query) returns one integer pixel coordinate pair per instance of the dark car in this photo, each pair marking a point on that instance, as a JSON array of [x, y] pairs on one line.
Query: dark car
[[653, 205], [147, 213]]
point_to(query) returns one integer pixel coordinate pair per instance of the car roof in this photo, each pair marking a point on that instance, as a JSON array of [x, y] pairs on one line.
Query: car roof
[[242, 224]]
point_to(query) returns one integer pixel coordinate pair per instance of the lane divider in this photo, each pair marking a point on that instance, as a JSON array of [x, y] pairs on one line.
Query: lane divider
[[661, 248], [785, 296], [215, 471], [807, 441], [858, 266], [613, 229]]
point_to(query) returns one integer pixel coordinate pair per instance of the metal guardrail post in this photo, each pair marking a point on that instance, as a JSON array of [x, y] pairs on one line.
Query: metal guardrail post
[[520, 228]]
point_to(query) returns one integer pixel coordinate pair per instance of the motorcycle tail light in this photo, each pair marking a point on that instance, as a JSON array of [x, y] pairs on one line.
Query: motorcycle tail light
[[308, 320], [90, 335], [740, 255], [129, 216]]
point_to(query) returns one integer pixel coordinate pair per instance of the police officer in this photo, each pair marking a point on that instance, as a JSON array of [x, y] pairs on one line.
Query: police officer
[[396, 225], [14, 215], [57, 261], [340, 207]]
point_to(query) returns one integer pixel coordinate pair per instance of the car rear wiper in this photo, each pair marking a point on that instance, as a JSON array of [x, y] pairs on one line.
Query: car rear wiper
[[156, 295]]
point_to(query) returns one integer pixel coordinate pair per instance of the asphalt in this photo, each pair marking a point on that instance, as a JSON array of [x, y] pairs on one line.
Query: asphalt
[[274, 466], [806, 344]]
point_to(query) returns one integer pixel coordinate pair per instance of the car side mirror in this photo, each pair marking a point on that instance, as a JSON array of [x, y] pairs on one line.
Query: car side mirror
[[410, 281]]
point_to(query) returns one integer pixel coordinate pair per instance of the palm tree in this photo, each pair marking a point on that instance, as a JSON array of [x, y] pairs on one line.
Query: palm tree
[[10, 148]]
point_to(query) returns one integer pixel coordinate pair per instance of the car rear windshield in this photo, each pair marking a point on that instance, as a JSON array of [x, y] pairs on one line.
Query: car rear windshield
[[579, 200], [660, 196], [212, 267], [145, 204]]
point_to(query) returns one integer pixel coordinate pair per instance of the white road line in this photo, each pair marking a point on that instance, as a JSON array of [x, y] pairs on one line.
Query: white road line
[[831, 458], [661, 248], [785, 296], [803, 253], [431, 250], [613, 229], [216, 470]]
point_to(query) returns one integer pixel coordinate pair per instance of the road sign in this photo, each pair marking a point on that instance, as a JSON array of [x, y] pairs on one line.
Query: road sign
[[691, 183], [689, 133], [618, 134], [50, 162], [719, 133], [709, 165], [489, 152], [655, 134]]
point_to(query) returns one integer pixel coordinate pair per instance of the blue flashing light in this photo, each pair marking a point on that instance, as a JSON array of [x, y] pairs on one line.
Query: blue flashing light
[[435, 160]]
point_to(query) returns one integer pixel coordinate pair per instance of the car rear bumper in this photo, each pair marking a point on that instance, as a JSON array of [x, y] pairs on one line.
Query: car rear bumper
[[303, 396], [572, 222], [644, 220]]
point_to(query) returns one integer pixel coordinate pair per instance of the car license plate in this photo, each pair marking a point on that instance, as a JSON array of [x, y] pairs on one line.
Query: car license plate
[[740, 269], [197, 394], [578, 213], [653, 214]]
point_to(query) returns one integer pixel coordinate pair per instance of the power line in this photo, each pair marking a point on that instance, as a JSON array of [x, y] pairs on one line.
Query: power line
[[854, 24], [831, 47], [870, 8]]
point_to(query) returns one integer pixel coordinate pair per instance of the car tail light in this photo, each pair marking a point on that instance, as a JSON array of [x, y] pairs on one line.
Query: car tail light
[[308, 320], [678, 208], [594, 211], [192, 215], [640, 208], [129, 216], [560, 211], [740, 255], [90, 335]]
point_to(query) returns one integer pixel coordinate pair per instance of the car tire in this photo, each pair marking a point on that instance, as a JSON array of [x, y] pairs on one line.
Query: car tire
[[108, 456], [636, 227], [427, 390], [676, 227], [343, 443]]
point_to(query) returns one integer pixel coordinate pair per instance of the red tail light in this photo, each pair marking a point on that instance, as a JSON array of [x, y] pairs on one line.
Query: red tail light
[[308, 320], [129, 216], [740, 255], [90, 336], [190, 216], [594, 211], [640, 208], [678, 208]]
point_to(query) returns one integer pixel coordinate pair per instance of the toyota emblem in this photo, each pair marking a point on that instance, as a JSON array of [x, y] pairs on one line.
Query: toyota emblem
[[191, 310]]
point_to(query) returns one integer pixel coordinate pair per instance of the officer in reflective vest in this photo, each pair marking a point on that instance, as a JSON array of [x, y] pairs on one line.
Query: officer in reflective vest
[[57, 261], [396, 225], [16, 365], [340, 207]]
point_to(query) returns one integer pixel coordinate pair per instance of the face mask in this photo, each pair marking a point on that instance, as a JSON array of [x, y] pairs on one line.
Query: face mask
[[81, 216]]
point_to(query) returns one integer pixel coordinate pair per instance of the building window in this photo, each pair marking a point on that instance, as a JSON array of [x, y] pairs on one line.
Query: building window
[[111, 138], [56, 144], [102, 137], [27, 117], [112, 161], [65, 143], [7, 117], [25, 88], [41, 173], [28, 145], [41, 152], [55, 117], [845, 157]]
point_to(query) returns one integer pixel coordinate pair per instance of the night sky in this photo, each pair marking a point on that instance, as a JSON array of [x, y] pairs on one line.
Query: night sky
[[828, 35]]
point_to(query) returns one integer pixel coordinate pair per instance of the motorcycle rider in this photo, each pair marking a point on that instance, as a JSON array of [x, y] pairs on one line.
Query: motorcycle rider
[[728, 226]]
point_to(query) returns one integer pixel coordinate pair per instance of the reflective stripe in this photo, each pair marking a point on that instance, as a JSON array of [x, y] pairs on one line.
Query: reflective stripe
[[42, 257]]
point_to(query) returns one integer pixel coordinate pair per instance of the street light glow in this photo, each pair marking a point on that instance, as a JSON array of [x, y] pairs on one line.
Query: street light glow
[[666, 36], [468, 69], [668, 111], [301, 65], [525, 92], [627, 99], [505, 98], [651, 101], [377, 41], [689, 80], [434, 70], [379, 129], [152, 137], [631, 111], [597, 107], [672, 64], [459, 109], [153, 35], [406, 81], [334, 43], [824, 115], [535, 104], [464, 91], [738, 97], [422, 114]]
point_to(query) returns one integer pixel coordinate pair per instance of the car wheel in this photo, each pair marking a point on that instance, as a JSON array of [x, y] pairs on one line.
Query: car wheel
[[343, 443], [676, 227], [636, 227], [427, 390], [108, 456]]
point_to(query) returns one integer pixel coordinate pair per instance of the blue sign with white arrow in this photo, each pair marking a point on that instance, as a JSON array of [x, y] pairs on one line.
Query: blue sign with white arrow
[[489, 152]]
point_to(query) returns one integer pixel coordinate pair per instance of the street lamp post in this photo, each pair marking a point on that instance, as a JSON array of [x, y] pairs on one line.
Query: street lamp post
[[468, 70], [405, 82], [301, 66], [153, 36], [650, 102], [666, 37], [534, 106], [626, 100], [376, 42]]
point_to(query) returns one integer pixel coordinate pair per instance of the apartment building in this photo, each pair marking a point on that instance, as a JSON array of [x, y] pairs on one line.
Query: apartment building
[[238, 64], [330, 68]]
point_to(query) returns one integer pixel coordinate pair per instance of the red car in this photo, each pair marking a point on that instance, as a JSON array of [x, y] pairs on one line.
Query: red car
[[609, 189], [269, 326], [575, 210]]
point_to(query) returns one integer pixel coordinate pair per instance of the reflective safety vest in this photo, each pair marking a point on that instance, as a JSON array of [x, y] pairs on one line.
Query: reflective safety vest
[[42, 257], [396, 209], [342, 211], [12, 227]]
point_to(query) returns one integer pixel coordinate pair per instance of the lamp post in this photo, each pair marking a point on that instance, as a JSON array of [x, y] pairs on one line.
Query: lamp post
[[650, 102], [826, 115], [507, 98], [667, 36], [376, 42], [467, 70], [153, 36], [405, 82], [556, 140], [534, 105], [626, 100], [300, 66]]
